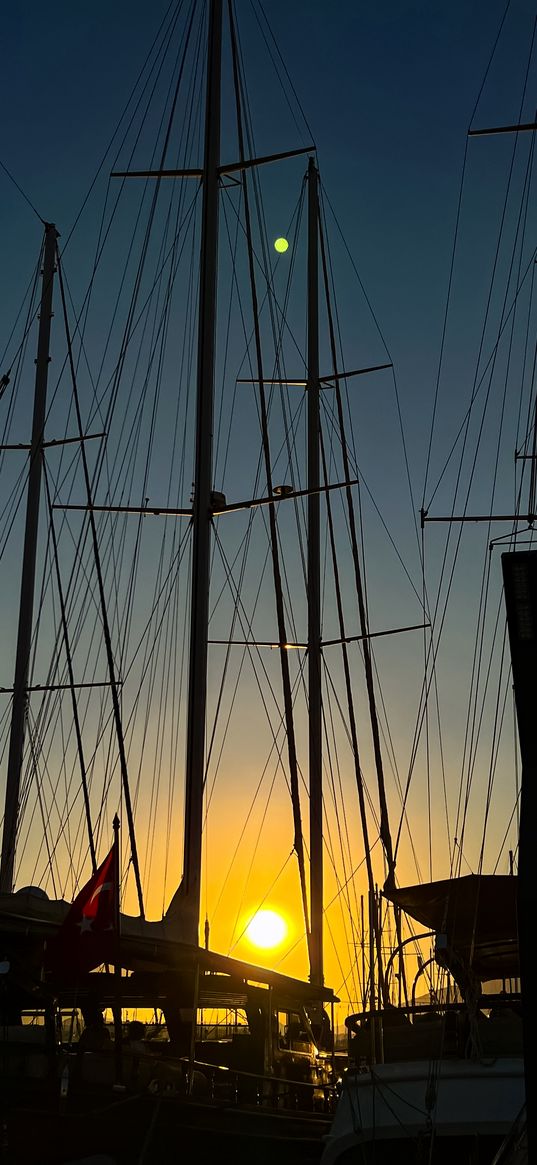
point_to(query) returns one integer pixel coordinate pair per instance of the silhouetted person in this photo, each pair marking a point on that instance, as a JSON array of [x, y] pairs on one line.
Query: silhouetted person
[[95, 1037], [135, 1038]]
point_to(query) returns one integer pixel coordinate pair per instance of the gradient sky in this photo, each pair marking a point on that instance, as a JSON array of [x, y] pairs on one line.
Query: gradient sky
[[388, 89]]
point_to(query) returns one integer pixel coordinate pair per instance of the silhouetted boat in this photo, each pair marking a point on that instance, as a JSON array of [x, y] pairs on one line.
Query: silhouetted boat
[[444, 1076], [240, 1060], [267, 1085]]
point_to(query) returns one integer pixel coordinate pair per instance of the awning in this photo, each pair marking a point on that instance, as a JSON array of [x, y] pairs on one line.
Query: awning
[[27, 918], [477, 914]]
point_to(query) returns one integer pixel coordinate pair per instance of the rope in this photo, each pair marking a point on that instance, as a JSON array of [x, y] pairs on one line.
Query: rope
[[22, 192]]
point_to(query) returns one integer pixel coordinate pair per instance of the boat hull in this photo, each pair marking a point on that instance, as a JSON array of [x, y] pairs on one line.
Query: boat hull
[[146, 1130], [465, 1108]]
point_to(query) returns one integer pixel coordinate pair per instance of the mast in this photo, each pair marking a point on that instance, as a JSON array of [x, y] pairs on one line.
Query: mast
[[314, 577], [26, 607], [202, 513], [276, 571], [363, 623], [520, 587]]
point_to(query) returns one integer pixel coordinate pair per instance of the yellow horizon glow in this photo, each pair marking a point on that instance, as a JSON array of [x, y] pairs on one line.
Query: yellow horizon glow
[[266, 929]]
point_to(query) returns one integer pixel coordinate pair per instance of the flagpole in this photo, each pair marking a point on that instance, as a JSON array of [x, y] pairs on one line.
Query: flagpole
[[118, 1027]]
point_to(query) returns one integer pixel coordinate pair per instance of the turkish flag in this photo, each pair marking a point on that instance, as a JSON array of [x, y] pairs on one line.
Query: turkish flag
[[87, 935]]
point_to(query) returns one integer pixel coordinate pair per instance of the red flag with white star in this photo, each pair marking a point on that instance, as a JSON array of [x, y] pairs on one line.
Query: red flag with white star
[[87, 935]]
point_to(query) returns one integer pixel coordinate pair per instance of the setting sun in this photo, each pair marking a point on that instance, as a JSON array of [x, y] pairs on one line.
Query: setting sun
[[266, 929]]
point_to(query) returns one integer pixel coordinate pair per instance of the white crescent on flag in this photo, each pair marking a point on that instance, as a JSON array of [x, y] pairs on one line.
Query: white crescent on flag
[[99, 889]]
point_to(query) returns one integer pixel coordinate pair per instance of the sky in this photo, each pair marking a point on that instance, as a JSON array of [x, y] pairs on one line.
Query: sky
[[388, 89]]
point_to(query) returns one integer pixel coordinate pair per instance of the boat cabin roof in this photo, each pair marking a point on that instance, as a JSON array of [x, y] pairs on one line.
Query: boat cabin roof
[[477, 917]]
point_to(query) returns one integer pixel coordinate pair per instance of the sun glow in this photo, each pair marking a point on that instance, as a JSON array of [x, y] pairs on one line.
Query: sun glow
[[281, 245], [266, 929]]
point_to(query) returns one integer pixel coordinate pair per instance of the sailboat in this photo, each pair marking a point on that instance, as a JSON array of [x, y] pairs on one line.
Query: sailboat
[[237, 1058], [260, 1077], [443, 1066]]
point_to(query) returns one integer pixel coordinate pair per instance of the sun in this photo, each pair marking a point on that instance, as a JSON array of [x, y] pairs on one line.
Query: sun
[[266, 929]]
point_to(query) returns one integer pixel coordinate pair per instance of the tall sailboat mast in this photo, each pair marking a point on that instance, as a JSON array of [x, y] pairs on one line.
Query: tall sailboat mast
[[314, 573], [24, 634], [202, 512]]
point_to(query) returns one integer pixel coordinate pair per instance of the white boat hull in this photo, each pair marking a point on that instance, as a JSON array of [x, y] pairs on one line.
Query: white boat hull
[[412, 1101]]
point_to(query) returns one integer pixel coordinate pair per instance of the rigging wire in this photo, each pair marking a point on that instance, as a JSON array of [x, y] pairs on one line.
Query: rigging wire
[[454, 251], [261, 903], [105, 624], [282, 635], [507, 314], [160, 33], [284, 68], [116, 546], [21, 191]]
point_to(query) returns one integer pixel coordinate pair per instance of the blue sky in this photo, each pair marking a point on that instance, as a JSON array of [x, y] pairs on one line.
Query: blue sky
[[388, 89]]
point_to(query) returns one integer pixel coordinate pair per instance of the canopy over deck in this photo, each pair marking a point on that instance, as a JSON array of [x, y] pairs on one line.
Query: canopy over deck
[[27, 919], [477, 914]]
